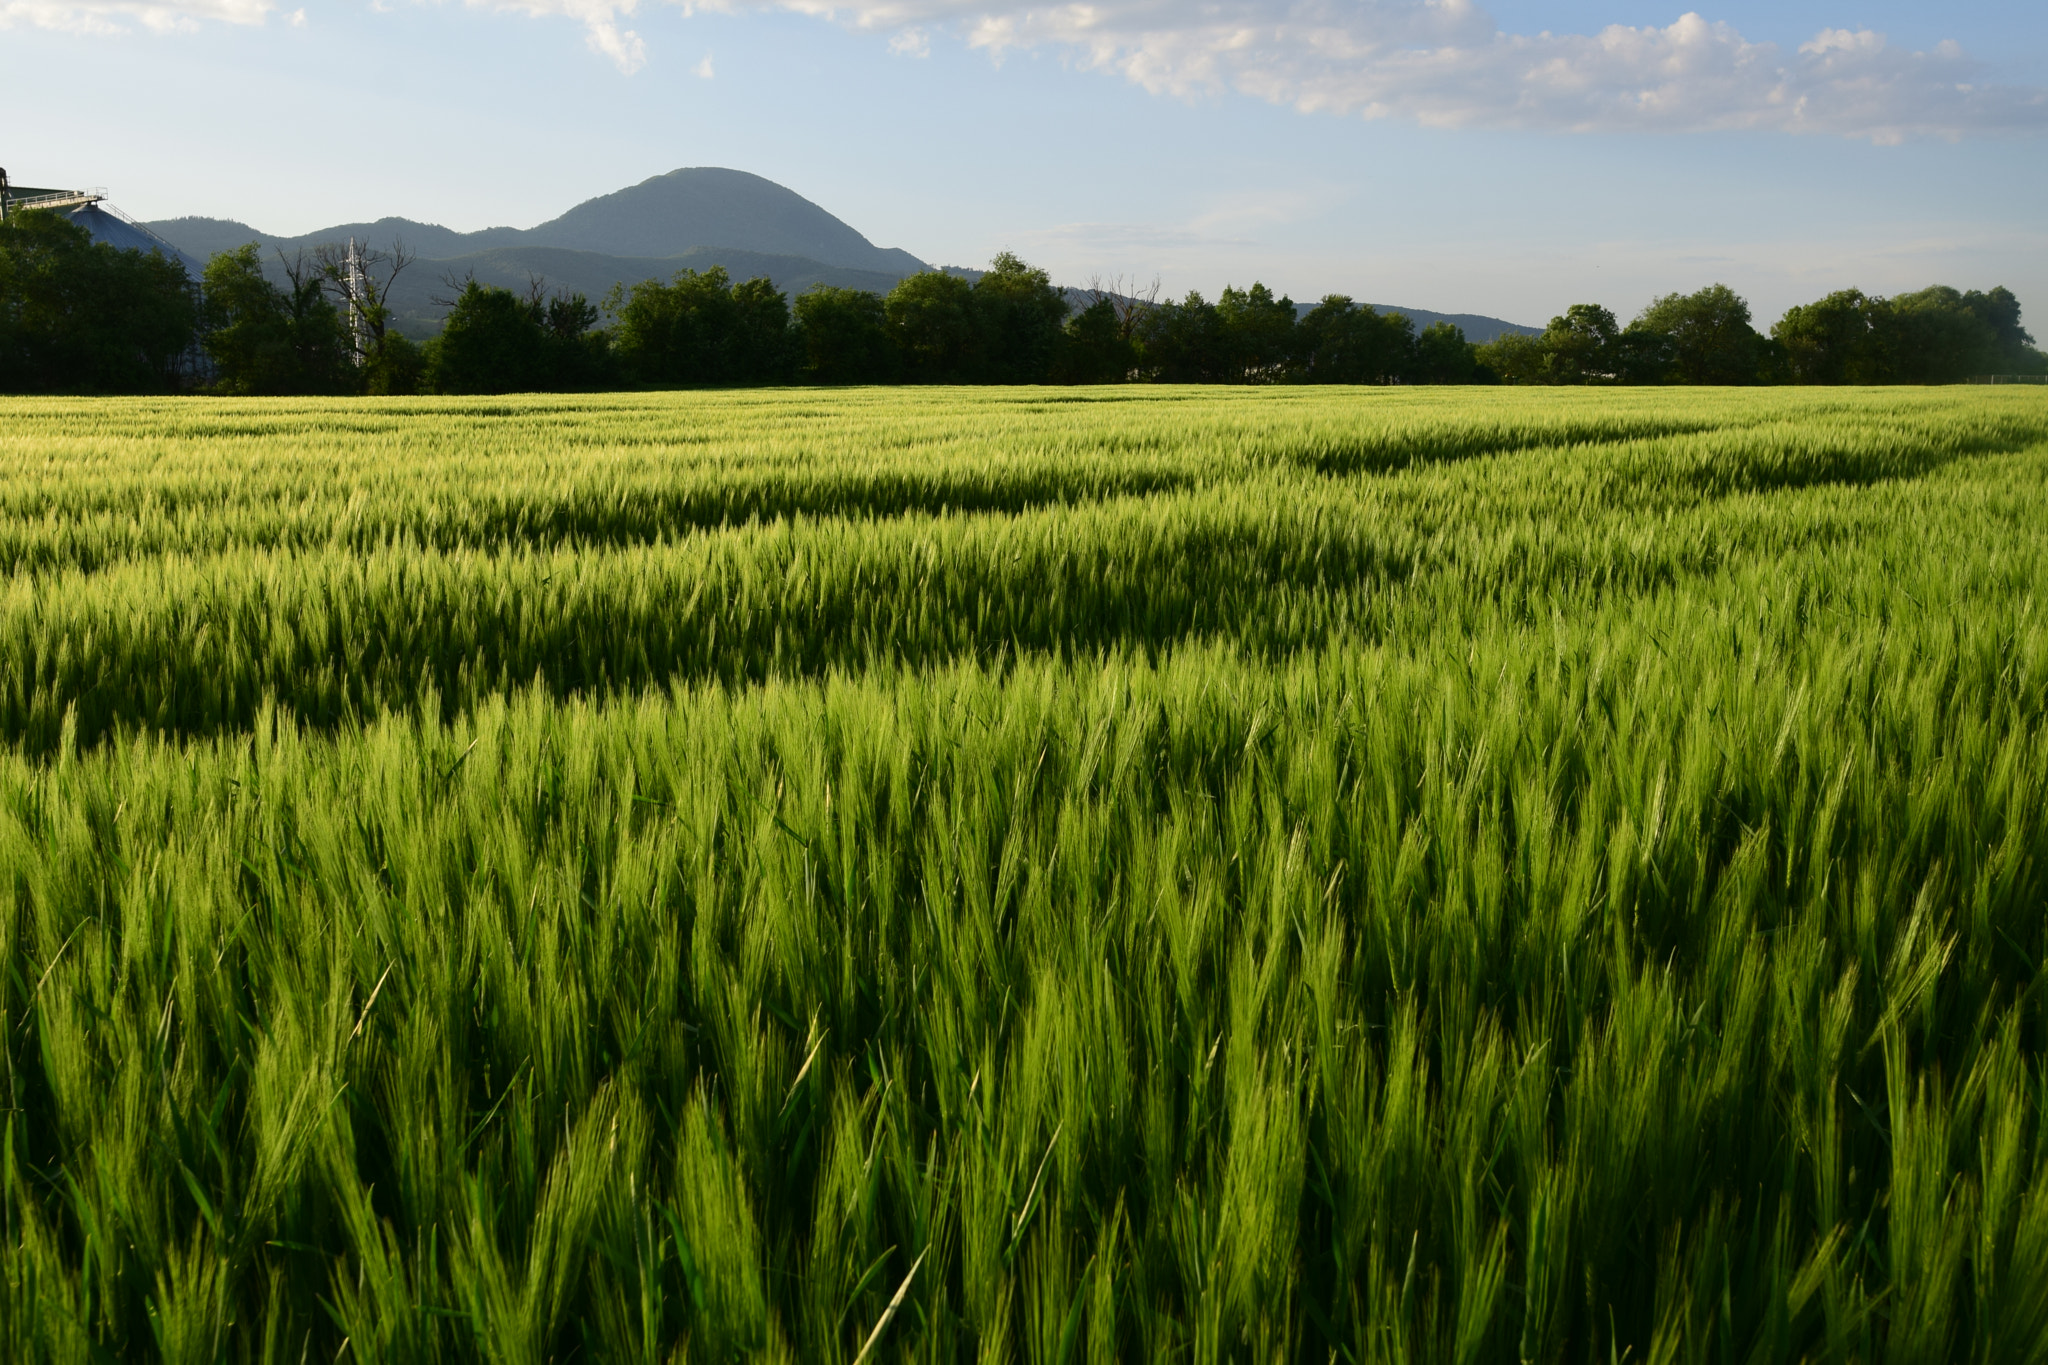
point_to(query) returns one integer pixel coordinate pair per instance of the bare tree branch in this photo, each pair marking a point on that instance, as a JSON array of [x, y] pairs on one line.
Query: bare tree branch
[[454, 286], [1130, 300], [364, 284]]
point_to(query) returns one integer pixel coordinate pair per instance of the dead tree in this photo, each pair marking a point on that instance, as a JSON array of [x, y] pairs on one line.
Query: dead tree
[[363, 279], [1130, 300]]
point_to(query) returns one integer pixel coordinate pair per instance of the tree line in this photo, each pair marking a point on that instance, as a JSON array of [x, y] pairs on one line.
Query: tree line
[[79, 316], [1012, 325], [1936, 336]]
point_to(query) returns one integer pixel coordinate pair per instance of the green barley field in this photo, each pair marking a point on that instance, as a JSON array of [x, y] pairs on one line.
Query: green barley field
[[1026, 875]]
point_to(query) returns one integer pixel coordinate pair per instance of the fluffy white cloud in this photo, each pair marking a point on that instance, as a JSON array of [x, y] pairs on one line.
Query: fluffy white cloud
[[117, 16], [603, 28], [1440, 63], [601, 25], [1444, 63]]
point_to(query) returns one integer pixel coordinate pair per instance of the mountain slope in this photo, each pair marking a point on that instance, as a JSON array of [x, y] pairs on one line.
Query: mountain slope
[[667, 215], [1476, 326], [203, 237], [693, 218], [711, 206]]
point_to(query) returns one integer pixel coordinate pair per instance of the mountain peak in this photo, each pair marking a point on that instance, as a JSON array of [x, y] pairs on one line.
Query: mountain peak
[[699, 206], [677, 214]]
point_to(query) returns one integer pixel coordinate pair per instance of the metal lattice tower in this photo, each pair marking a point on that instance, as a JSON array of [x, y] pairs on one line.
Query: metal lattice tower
[[358, 319]]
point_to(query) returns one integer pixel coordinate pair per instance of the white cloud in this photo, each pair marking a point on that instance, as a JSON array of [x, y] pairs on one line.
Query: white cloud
[[1444, 63], [116, 16], [298, 18], [1439, 63], [702, 71], [600, 20]]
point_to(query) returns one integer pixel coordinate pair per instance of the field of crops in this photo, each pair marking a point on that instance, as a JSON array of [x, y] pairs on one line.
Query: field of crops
[[1026, 875]]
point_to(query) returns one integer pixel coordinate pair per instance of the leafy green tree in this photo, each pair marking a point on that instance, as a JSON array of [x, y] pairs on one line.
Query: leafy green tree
[[248, 332], [396, 366], [491, 342], [700, 329], [1184, 343], [579, 354], [494, 341], [1342, 342], [78, 316], [1773, 361], [1830, 341], [1443, 356], [270, 340], [761, 350], [1999, 311], [1097, 351], [1515, 358], [2014, 345], [1581, 346], [1020, 315], [1936, 336], [1712, 341], [932, 319], [1257, 333], [320, 342], [1643, 355], [842, 337]]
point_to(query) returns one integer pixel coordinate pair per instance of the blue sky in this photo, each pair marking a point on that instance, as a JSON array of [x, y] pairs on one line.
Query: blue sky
[[1510, 157]]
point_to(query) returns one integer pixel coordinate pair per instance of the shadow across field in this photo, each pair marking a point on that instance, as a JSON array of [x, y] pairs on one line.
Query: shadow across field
[[191, 648]]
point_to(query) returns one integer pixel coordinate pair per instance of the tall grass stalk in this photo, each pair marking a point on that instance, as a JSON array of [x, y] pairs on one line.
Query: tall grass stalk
[[1026, 876]]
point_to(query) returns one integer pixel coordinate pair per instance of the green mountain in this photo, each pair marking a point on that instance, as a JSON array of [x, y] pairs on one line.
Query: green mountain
[[1476, 326], [709, 206], [692, 218], [699, 216]]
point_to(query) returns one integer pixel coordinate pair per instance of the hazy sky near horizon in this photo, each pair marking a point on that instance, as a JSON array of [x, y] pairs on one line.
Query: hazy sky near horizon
[[1508, 158]]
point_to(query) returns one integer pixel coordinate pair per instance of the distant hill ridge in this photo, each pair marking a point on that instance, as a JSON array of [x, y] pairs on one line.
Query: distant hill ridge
[[666, 215], [696, 217], [1477, 327]]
